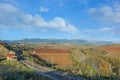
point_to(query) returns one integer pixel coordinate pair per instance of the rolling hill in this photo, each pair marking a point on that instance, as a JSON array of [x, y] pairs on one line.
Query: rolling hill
[[113, 50], [60, 57], [4, 48]]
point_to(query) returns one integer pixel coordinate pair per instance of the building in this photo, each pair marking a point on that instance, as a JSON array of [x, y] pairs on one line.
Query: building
[[11, 56]]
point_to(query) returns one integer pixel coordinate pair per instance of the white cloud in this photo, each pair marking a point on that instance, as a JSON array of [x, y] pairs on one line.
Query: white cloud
[[5, 7], [108, 15], [12, 2], [100, 30], [11, 17], [105, 29], [43, 9]]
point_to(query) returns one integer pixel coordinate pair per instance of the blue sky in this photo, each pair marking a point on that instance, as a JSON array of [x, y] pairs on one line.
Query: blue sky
[[64, 19]]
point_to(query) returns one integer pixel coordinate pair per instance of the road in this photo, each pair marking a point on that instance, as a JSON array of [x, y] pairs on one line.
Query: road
[[2, 58], [48, 72]]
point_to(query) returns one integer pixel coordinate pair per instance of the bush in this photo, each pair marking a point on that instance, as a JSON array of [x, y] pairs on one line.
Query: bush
[[10, 71]]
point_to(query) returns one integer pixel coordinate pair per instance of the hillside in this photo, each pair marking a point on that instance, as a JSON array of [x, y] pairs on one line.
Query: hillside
[[95, 58], [17, 71], [113, 50], [59, 57], [4, 48]]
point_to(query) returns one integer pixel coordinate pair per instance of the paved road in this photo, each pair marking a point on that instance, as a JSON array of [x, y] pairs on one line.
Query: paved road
[[42, 70], [45, 71], [1, 59]]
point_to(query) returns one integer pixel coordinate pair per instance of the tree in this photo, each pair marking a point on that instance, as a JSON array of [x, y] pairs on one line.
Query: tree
[[104, 68]]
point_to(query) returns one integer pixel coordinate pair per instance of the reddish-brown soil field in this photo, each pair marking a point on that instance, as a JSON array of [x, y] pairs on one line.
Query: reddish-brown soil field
[[113, 50], [60, 57]]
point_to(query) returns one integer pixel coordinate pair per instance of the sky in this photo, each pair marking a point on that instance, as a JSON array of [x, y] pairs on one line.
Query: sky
[[61, 19]]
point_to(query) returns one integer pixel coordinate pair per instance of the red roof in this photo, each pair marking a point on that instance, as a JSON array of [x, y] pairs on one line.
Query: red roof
[[10, 55]]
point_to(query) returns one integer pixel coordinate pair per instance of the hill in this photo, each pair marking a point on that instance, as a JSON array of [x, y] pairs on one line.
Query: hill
[[113, 50], [4, 48], [59, 57]]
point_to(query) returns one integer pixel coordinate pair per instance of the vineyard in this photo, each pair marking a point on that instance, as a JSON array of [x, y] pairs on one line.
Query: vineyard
[[57, 56], [113, 50]]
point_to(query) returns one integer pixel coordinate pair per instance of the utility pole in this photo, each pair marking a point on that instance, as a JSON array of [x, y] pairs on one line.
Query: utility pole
[[118, 74], [52, 62], [19, 66], [33, 58], [110, 67], [91, 74]]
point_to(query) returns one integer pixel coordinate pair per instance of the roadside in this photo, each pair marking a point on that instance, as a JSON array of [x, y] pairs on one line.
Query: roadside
[[56, 75]]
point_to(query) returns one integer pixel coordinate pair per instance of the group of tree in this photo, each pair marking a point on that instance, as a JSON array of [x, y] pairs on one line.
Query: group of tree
[[89, 62]]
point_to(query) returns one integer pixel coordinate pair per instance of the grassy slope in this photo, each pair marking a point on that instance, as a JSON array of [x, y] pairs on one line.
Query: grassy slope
[[16, 71]]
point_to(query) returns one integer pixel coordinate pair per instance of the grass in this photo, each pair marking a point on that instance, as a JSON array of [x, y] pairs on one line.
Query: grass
[[16, 71]]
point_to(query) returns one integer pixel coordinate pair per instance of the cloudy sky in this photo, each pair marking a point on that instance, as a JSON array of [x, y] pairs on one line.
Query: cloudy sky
[[64, 19]]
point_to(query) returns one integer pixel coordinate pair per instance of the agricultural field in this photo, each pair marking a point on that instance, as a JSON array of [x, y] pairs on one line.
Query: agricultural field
[[78, 60], [113, 50], [60, 57]]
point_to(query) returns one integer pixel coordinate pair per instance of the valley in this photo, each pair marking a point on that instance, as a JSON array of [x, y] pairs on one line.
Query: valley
[[73, 61]]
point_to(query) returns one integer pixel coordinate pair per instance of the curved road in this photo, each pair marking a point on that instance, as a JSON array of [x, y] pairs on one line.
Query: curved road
[[48, 72]]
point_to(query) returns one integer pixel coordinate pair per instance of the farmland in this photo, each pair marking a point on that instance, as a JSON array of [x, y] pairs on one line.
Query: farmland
[[73, 59], [60, 57], [113, 50]]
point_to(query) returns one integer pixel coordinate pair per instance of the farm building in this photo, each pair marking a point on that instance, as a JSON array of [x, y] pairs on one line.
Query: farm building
[[57, 56], [11, 56]]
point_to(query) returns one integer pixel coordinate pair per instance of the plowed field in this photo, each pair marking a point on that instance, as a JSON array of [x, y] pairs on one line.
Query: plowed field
[[113, 50], [58, 56]]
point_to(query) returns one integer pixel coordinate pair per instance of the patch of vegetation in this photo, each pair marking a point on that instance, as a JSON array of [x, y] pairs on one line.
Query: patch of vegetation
[[89, 62], [16, 71]]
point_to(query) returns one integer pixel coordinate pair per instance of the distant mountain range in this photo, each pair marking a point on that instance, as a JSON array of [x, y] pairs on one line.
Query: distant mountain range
[[70, 41]]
